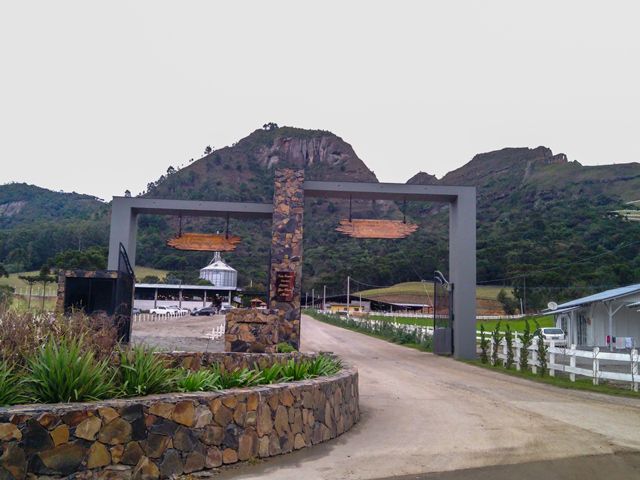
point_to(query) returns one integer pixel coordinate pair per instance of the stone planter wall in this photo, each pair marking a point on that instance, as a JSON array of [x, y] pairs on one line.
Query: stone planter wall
[[166, 435], [251, 330]]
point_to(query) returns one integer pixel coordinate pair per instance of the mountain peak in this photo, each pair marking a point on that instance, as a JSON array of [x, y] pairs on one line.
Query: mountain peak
[[423, 178]]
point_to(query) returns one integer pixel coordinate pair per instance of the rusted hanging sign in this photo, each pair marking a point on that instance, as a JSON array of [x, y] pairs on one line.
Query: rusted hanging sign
[[204, 242], [369, 228]]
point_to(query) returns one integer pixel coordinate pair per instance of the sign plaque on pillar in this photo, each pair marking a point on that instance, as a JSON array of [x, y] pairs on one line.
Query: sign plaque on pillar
[[285, 281]]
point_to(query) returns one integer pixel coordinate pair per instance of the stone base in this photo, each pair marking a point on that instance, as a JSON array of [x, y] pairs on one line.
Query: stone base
[[251, 330]]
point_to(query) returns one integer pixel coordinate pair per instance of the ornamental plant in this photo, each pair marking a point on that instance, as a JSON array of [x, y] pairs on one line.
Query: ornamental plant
[[527, 339], [62, 372], [508, 338], [142, 372], [542, 353], [197, 381], [497, 338], [484, 345], [11, 391]]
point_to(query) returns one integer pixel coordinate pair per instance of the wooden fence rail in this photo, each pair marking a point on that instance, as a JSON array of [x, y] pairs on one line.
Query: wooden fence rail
[[620, 367]]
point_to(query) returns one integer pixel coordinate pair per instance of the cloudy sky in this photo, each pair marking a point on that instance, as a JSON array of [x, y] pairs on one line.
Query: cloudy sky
[[101, 97]]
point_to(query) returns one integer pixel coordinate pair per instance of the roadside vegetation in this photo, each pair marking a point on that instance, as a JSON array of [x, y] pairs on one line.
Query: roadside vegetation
[[516, 325], [403, 335], [49, 359]]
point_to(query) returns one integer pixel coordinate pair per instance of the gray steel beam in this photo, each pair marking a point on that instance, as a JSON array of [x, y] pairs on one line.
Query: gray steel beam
[[196, 208], [125, 211], [462, 272], [383, 191]]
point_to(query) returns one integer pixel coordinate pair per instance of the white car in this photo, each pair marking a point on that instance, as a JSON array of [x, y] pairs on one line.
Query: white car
[[171, 310], [553, 334]]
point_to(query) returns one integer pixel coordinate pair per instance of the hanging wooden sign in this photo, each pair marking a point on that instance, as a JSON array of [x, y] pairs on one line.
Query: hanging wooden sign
[[285, 281], [204, 242], [371, 228]]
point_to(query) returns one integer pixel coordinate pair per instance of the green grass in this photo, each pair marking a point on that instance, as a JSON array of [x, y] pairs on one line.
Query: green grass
[[562, 381], [516, 325], [483, 292], [142, 272]]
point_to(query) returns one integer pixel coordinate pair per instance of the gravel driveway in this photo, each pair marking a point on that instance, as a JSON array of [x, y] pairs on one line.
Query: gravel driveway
[[425, 416]]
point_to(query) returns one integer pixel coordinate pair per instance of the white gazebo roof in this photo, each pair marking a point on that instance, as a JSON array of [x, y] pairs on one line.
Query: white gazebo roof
[[218, 265]]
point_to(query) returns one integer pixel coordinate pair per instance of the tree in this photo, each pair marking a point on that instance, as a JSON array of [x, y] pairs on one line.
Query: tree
[[92, 258], [270, 126], [509, 304], [6, 295], [171, 170], [127, 193], [150, 279], [526, 338], [208, 149], [3, 271], [44, 277]]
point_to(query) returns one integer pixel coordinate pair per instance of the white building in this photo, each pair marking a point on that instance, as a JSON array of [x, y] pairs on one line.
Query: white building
[[220, 274], [224, 282], [607, 319]]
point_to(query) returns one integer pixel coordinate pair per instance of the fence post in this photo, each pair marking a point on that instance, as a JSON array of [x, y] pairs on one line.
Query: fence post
[[596, 365], [572, 362], [534, 357], [491, 343], [634, 369], [552, 359], [518, 352], [504, 352]]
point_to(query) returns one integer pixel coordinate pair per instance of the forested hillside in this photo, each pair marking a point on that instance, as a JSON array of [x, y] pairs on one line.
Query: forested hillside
[[542, 220]]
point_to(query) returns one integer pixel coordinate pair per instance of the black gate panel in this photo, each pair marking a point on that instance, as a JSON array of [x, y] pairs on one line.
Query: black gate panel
[[442, 315], [125, 285]]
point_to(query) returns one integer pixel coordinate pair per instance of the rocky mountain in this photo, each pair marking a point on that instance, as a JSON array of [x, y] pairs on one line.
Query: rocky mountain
[[540, 216]]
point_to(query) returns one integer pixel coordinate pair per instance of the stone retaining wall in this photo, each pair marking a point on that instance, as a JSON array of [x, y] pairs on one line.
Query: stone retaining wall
[[166, 435], [251, 330]]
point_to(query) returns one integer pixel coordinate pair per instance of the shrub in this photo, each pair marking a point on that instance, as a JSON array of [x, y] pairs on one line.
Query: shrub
[[198, 381], [241, 377], [284, 347], [63, 372], [142, 372], [23, 333], [272, 374], [497, 338], [542, 353], [484, 345], [322, 366], [11, 388], [526, 343], [293, 370], [508, 338]]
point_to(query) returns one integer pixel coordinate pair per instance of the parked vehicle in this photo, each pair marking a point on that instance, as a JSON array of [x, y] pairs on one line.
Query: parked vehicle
[[170, 310], [135, 311], [553, 334], [205, 311]]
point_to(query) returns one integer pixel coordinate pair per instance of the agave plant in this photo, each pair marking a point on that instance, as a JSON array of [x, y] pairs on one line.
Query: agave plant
[[323, 365], [11, 388], [62, 371], [293, 370], [242, 377], [142, 372], [198, 381], [272, 374]]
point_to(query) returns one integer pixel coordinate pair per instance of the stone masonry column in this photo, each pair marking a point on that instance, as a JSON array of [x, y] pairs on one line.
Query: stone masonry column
[[285, 276]]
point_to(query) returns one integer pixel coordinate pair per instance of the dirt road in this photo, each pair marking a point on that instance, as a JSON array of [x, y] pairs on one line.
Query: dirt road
[[423, 414], [179, 333]]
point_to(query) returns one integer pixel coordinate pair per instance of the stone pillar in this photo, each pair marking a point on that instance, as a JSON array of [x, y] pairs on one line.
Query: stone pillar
[[285, 276]]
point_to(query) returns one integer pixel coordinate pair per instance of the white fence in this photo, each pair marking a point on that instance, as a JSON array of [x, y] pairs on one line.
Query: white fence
[[620, 367], [430, 315], [216, 332], [154, 317]]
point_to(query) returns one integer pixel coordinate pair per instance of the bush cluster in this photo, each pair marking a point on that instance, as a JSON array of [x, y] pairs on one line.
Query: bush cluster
[[69, 364]]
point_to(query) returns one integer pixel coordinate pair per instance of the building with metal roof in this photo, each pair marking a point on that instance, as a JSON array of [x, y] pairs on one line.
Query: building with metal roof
[[607, 319], [220, 274]]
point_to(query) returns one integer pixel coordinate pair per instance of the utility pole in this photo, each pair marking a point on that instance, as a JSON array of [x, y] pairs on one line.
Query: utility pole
[[313, 298], [525, 295], [324, 299], [348, 293], [306, 299]]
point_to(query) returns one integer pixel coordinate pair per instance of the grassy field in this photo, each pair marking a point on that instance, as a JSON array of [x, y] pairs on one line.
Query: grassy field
[[483, 292], [562, 381], [515, 325], [142, 272]]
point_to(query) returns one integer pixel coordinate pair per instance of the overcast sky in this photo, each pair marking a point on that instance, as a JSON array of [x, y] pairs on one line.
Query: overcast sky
[[98, 97]]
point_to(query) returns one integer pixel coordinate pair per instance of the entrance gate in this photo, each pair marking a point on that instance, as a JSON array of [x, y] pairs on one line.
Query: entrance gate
[[286, 256]]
